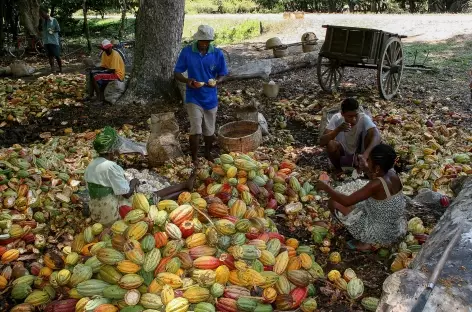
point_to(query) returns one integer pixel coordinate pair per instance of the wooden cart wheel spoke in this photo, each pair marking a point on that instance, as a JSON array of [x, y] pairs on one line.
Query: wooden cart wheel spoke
[[387, 58], [335, 76], [390, 68], [329, 73], [396, 52], [394, 76], [398, 61], [325, 71], [385, 75]]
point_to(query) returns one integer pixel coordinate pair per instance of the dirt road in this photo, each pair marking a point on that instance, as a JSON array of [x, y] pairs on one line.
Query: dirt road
[[426, 27]]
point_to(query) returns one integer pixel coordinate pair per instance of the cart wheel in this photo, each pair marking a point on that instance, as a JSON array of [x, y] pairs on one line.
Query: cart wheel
[[330, 73], [39, 47], [390, 70]]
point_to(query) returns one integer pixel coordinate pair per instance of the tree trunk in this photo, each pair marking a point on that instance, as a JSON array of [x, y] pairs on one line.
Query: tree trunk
[[159, 26], [123, 19], [3, 5], [86, 26], [29, 15]]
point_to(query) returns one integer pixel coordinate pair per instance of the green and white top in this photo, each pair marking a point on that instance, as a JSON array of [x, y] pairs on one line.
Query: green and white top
[[50, 31], [106, 183]]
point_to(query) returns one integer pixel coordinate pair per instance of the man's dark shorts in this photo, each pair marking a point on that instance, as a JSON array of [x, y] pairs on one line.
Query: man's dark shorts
[[52, 50]]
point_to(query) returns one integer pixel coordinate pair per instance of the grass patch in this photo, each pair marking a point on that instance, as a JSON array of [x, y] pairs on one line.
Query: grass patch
[[454, 53], [227, 31], [220, 6]]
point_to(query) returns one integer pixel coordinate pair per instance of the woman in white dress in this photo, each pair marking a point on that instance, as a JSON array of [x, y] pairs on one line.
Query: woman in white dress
[[375, 214]]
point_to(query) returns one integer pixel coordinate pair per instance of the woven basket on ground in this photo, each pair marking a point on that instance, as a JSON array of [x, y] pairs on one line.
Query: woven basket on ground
[[240, 136]]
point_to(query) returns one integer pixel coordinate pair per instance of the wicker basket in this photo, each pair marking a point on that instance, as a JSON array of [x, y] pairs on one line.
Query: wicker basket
[[273, 42], [270, 90], [240, 136], [308, 47], [281, 52]]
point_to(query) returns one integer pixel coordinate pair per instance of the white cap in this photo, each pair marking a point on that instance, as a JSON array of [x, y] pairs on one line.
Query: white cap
[[106, 44], [204, 32]]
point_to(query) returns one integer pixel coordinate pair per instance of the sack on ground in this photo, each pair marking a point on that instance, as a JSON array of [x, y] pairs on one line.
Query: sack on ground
[[263, 124], [114, 90], [164, 123], [127, 146], [162, 147], [163, 143], [21, 69]]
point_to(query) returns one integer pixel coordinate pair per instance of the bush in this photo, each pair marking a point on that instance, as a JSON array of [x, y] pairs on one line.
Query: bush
[[241, 6], [246, 30], [200, 6], [220, 6]]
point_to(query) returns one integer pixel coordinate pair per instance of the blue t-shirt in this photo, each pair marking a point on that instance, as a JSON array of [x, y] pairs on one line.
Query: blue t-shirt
[[202, 68]]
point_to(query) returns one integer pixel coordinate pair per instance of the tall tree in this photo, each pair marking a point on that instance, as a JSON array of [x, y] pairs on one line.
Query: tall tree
[[29, 15], [86, 26], [159, 26], [124, 7]]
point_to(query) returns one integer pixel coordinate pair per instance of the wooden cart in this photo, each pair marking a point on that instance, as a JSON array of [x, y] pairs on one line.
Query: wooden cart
[[363, 48]]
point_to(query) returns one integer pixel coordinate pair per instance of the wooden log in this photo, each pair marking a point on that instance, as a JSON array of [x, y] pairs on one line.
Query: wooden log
[[265, 67]]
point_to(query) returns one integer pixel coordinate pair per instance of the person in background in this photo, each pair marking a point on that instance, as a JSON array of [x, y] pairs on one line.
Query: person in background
[[349, 137], [107, 185], [112, 67], [50, 36], [206, 68], [375, 214]]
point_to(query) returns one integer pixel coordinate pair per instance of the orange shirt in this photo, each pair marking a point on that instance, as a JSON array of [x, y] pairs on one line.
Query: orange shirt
[[114, 61]]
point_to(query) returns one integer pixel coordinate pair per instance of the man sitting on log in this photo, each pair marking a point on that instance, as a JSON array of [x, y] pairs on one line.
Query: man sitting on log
[[349, 137], [112, 67]]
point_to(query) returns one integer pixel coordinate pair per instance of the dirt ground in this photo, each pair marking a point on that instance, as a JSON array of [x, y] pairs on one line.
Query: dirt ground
[[444, 93]]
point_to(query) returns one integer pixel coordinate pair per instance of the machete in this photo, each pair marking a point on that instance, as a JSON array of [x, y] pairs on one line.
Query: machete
[[423, 298]]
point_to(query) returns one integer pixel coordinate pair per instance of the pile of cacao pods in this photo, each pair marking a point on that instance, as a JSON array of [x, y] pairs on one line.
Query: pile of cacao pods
[[269, 187], [196, 253], [36, 99], [434, 153], [411, 245], [38, 207], [353, 285]]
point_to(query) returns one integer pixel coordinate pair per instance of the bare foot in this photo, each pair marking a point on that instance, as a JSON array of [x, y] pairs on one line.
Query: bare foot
[[209, 157], [191, 179], [359, 246]]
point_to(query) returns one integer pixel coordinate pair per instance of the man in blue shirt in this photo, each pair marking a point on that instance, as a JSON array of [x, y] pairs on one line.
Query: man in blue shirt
[[50, 34], [205, 65]]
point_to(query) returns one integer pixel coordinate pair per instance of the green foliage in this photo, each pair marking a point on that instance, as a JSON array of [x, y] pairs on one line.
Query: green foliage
[[220, 6], [245, 30]]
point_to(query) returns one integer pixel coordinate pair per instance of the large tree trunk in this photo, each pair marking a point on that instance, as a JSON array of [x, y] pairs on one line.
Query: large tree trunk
[[3, 7], [29, 15], [86, 27], [159, 26]]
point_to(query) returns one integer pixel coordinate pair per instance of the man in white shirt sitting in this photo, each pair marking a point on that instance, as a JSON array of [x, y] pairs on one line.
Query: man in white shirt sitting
[[349, 137]]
